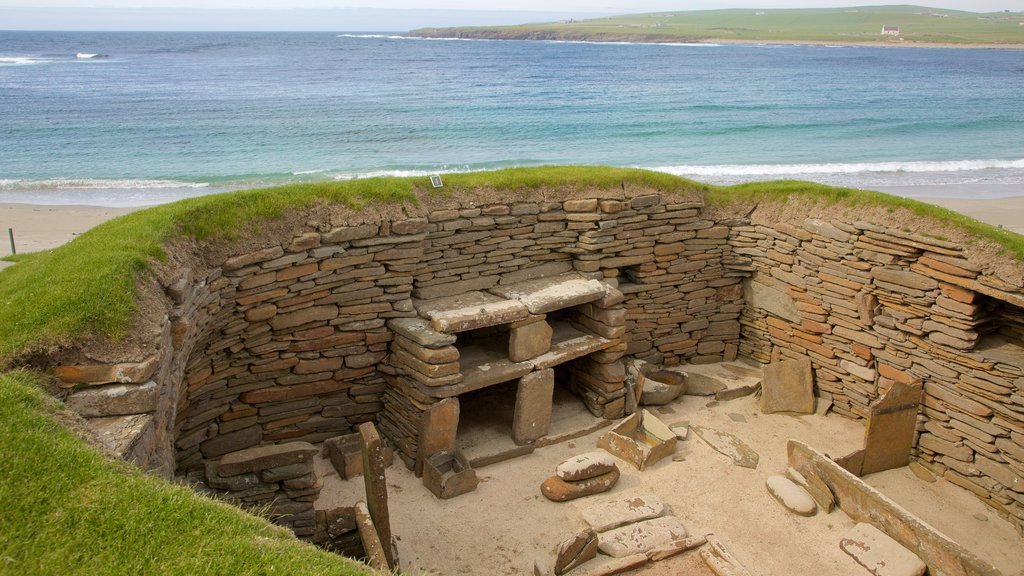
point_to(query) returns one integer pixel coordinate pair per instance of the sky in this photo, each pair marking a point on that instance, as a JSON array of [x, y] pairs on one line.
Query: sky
[[378, 15]]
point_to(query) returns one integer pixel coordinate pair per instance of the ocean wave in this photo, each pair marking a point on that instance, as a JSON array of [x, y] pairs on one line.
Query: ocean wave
[[94, 184], [23, 60], [839, 168]]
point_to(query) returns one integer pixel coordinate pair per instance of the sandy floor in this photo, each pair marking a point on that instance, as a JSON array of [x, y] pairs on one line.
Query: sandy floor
[[506, 523]]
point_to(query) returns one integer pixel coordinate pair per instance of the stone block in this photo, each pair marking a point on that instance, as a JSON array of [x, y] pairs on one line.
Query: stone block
[[231, 442], [470, 311], [892, 421], [575, 550], [771, 300], [437, 428], [345, 454], [620, 511], [792, 497], [788, 386], [642, 536], [554, 293], [585, 466], [376, 556], [558, 490], [115, 400], [533, 406], [375, 481], [728, 445], [529, 341], [448, 474], [640, 439], [880, 554], [266, 457]]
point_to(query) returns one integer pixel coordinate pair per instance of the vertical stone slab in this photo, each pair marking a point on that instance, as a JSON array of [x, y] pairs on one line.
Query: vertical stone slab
[[372, 545], [889, 436], [375, 481], [438, 426], [533, 406], [788, 386], [529, 340]]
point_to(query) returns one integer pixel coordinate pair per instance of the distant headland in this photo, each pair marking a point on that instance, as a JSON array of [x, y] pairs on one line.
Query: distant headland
[[863, 26]]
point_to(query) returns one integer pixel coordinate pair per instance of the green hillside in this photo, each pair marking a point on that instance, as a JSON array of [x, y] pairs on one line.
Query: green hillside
[[916, 24]]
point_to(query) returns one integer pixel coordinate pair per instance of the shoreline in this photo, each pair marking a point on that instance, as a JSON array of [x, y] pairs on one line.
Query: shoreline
[[542, 36]]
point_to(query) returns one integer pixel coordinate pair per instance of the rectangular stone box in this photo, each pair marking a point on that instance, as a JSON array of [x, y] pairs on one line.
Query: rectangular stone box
[[346, 455], [448, 474], [640, 439]]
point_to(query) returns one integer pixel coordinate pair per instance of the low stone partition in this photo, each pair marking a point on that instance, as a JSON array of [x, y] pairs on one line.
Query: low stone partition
[[276, 478], [330, 318]]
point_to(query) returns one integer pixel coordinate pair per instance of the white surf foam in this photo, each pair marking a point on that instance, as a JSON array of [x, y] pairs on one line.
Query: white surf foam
[[85, 56], [838, 168], [95, 184], [23, 60]]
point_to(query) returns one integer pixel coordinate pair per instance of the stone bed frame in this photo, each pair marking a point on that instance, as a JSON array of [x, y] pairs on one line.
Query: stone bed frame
[[309, 335]]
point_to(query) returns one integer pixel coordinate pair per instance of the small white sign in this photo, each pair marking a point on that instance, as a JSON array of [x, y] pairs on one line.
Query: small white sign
[[435, 181]]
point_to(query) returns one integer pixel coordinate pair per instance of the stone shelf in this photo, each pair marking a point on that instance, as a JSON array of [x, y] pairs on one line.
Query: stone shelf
[[555, 293], [484, 363], [470, 311], [569, 343]]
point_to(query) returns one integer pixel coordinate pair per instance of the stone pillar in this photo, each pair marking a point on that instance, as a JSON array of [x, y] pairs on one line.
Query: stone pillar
[[375, 481], [533, 406]]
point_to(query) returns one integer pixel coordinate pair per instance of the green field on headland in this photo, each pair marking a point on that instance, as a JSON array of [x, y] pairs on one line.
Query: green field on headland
[[855, 25]]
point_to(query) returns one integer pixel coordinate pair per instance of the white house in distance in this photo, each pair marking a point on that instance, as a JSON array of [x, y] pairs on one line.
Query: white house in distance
[[890, 30]]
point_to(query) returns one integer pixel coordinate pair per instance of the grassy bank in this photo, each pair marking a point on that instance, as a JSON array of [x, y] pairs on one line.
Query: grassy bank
[[68, 510], [918, 25]]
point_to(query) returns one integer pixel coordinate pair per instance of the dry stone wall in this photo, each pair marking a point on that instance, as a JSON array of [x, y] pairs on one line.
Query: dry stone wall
[[289, 340], [872, 306]]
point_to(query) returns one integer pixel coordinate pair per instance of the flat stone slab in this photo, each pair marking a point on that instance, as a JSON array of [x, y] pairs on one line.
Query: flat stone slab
[[419, 331], [575, 550], [585, 466], [788, 387], [729, 445], [641, 537], [483, 366], [553, 293], [568, 343], [628, 510], [710, 379], [264, 457], [558, 490], [791, 496], [880, 554], [470, 311]]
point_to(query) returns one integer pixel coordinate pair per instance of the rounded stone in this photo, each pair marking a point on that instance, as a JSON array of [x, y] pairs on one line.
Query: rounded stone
[[660, 387], [791, 496], [558, 490], [585, 466]]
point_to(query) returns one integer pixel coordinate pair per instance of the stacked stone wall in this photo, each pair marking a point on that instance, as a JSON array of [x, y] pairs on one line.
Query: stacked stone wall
[[288, 340], [872, 306]]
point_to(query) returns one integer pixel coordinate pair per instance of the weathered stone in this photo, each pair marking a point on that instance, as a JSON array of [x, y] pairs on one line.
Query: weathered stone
[[792, 497], [375, 481], [880, 554], [231, 442], [470, 311], [720, 560], [889, 436], [532, 414], [558, 490], [460, 287], [788, 386], [904, 278], [728, 445], [676, 547], [346, 455], [304, 316], [659, 387], [865, 504], [437, 428], [818, 490], [529, 341], [641, 537], [239, 483], [585, 466], [115, 400], [419, 331], [614, 513], [769, 299], [448, 474], [575, 550], [554, 293], [641, 439], [265, 457], [376, 556], [124, 373]]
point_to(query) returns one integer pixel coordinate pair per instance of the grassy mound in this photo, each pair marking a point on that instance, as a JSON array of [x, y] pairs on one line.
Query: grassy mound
[[69, 510]]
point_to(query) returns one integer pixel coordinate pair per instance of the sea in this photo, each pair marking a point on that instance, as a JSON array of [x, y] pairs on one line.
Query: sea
[[130, 119]]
